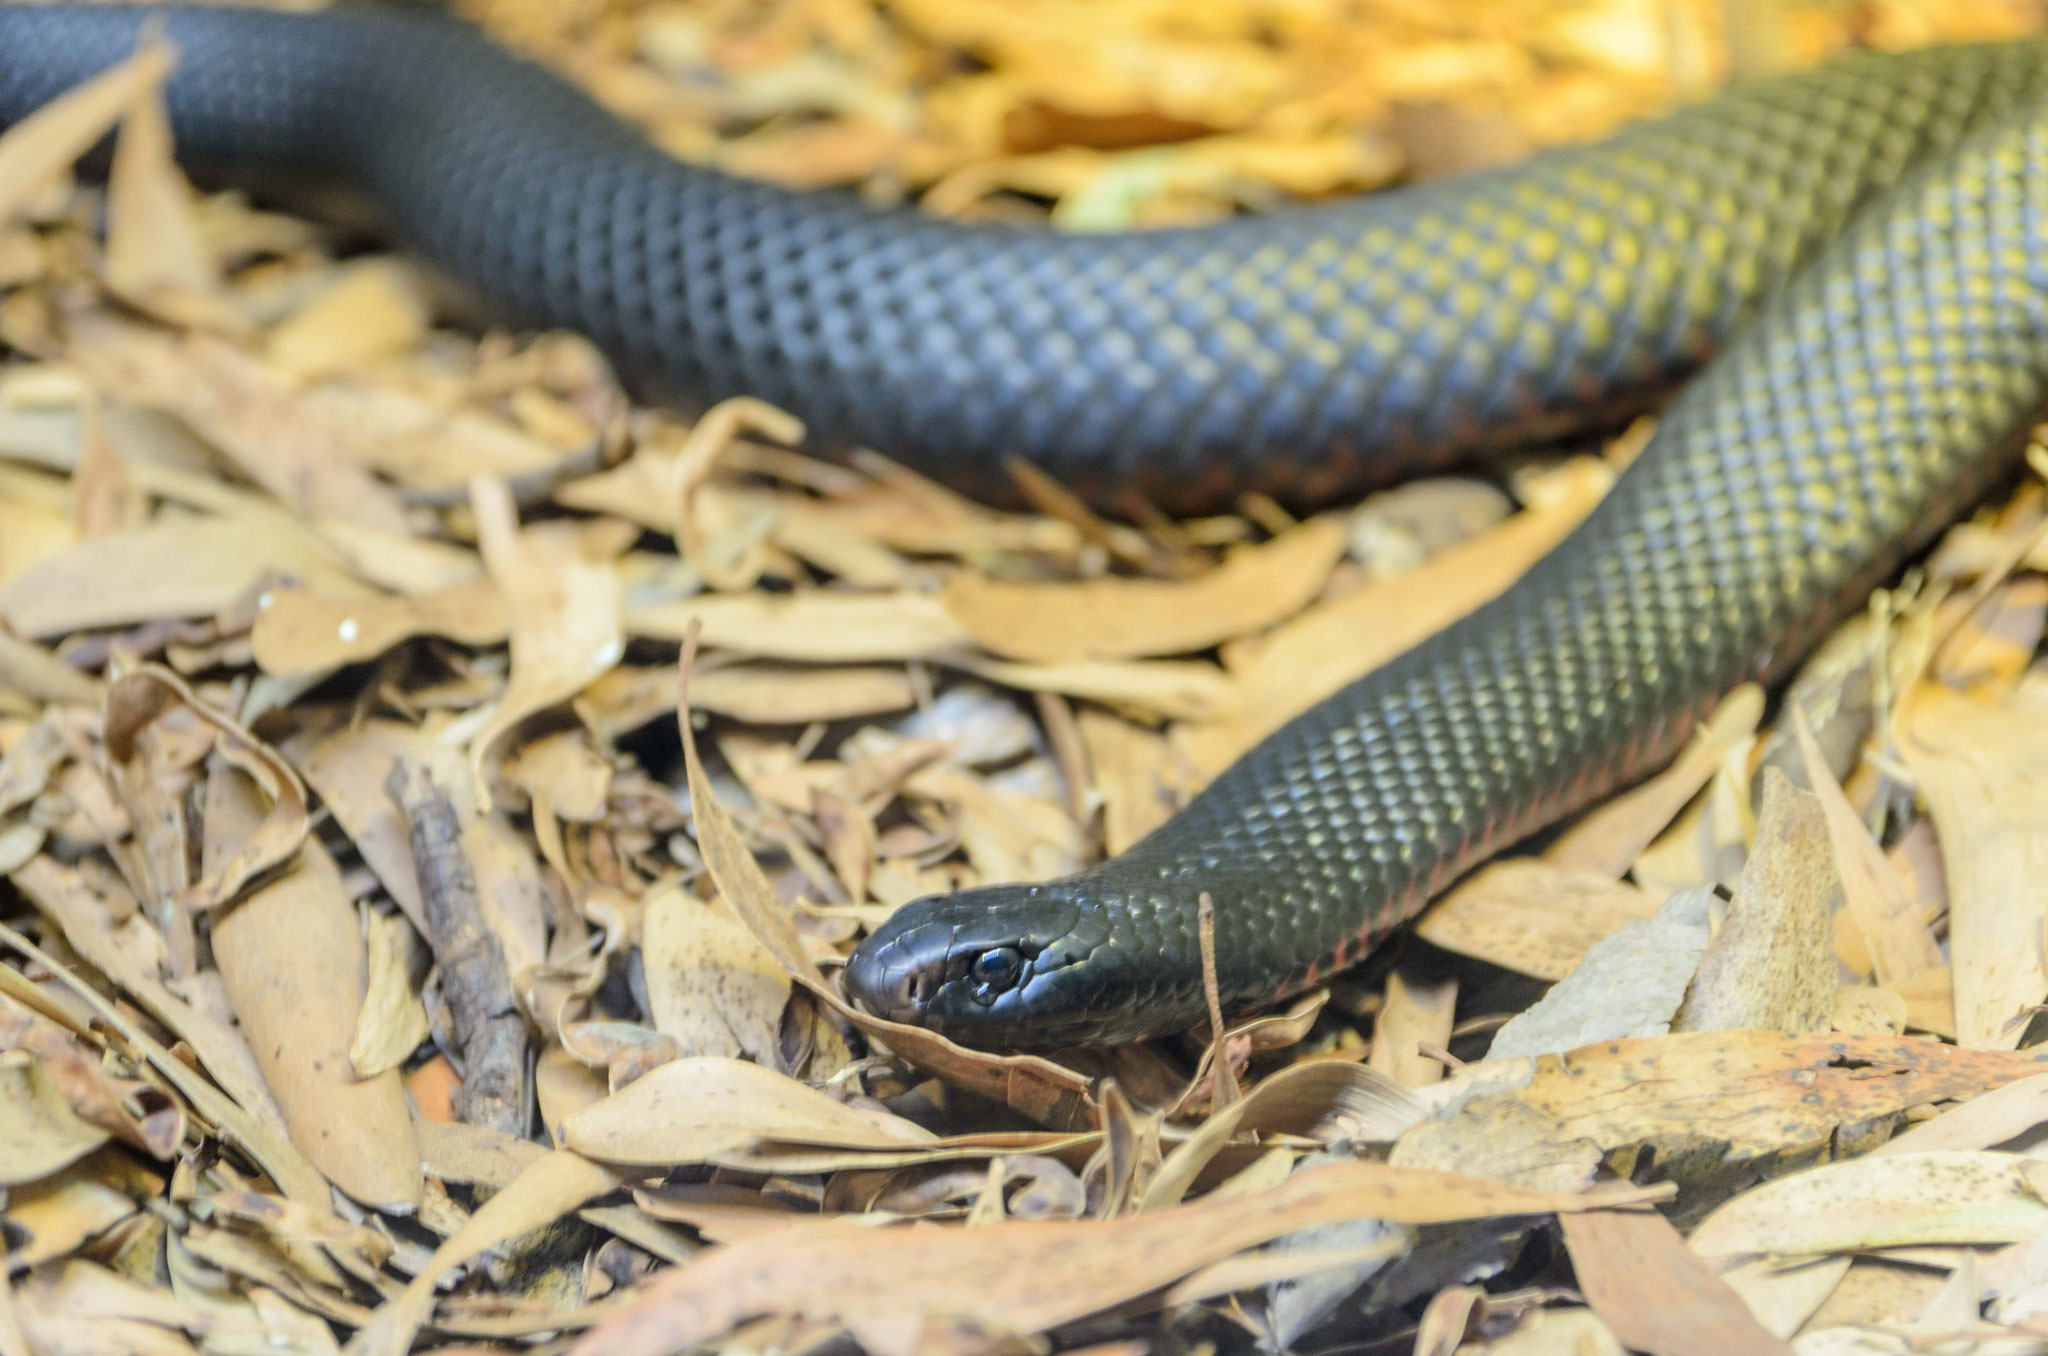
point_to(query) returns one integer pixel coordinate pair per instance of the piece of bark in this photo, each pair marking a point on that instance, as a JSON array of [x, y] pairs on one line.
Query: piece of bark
[[1771, 966], [489, 1030]]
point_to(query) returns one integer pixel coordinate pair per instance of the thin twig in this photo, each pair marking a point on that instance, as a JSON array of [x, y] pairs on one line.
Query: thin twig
[[1224, 1078], [489, 1031]]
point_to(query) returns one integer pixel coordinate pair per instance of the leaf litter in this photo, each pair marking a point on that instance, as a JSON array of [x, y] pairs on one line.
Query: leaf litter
[[436, 794]]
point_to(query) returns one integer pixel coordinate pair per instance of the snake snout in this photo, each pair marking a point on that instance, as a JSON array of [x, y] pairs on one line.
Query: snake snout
[[897, 972]]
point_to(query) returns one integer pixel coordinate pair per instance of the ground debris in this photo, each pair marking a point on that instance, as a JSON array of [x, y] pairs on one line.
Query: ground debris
[[437, 793]]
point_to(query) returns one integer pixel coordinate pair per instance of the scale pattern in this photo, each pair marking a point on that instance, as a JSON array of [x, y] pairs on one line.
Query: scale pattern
[[1870, 404], [1864, 241]]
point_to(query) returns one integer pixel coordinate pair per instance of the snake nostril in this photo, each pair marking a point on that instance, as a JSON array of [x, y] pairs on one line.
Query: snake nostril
[[912, 989]]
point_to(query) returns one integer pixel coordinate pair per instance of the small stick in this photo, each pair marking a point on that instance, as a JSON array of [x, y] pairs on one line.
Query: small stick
[[489, 1031], [1223, 1076], [1064, 734], [1431, 1050]]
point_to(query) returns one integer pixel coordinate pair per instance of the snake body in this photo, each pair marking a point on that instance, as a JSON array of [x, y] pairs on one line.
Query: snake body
[[1861, 249]]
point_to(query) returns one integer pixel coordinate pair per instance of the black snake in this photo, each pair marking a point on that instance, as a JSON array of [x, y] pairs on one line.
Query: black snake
[[1862, 249]]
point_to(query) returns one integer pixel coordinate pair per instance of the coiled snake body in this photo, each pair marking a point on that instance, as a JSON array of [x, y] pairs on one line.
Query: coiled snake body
[[1863, 247]]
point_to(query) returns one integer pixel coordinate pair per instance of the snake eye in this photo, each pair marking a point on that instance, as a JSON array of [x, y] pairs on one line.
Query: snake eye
[[996, 971]]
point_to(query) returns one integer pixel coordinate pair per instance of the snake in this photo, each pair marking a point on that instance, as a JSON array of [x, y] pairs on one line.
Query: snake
[[1832, 286]]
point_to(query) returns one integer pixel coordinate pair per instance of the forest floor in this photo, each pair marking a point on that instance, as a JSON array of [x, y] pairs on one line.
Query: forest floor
[[367, 981]]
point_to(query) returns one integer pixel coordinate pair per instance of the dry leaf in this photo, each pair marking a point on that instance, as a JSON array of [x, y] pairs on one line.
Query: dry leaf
[[348, 769], [58, 1214], [563, 771], [1654, 1292], [36, 151], [1026, 1277], [1977, 763], [1997, 640], [565, 611], [543, 1192], [1320, 1100], [146, 695], [243, 408], [711, 987], [1551, 1119], [1867, 1008], [41, 676], [392, 1021], [299, 631], [712, 435], [1418, 1013], [816, 626], [770, 694], [157, 258], [1769, 964], [1128, 768], [129, 952], [1982, 1122], [173, 566], [291, 959], [1784, 1294], [1876, 904], [1169, 688], [370, 311], [1630, 983], [295, 1176], [94, 1089], [1946, 1196], [695, 1109], [1527, 915], [1140, 618], [39, 1132], [28, 765]]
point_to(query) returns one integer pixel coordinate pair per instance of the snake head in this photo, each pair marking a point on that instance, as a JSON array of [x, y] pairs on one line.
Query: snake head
[[1005, 965]]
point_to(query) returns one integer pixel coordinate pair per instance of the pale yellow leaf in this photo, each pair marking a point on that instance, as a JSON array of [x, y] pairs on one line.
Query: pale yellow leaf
[[1979, 768], [371, 310], [695, 1109], [1886, 919], [1056, 623], [1769, 964], [157, 257], [1988, 1119], [392, 1020], [1943, 1196], [39, 1132], [174, 566], [710, 986], [299, 631], [1528, 915], [816, 625], [564, 603]]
